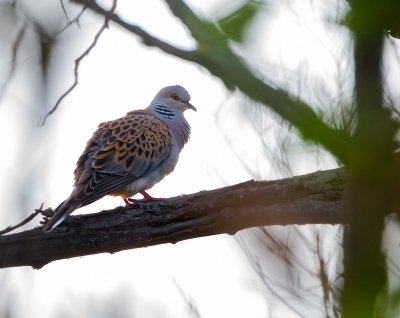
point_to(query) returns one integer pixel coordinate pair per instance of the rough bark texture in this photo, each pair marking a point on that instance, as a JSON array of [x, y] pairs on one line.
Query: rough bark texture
[[315, 198]]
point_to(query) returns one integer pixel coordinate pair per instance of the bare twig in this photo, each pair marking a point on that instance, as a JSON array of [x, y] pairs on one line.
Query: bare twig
[[79, 59], [322, 275], [189, 301], [147, 39], [65, 12], [255, 263], [283, 272], [75, 20], [28, 219]]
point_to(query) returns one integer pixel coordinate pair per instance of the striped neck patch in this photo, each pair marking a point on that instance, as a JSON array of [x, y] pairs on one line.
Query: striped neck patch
[[164, 111]]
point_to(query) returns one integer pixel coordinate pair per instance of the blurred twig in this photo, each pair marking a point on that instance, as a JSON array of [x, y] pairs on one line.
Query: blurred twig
[[75, 20], [15, 47], [322, 275], [79, 59], [269, 285], [189, 301], [292, 266], [65, 12]]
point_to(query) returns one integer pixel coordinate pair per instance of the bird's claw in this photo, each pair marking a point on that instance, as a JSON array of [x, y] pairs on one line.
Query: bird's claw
[[130, 202], [135, 202]]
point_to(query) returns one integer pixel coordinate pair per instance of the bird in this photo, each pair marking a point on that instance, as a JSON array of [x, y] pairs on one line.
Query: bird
[[131, 154]]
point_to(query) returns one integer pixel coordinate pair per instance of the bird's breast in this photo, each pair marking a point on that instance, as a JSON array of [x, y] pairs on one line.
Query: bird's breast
[[147, 182]]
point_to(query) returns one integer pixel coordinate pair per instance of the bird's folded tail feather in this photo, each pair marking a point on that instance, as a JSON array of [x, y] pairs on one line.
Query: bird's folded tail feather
[[60, 214]]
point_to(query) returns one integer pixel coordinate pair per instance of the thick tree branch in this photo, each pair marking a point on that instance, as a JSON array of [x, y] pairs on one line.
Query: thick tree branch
[[215, 54], [310, 199]]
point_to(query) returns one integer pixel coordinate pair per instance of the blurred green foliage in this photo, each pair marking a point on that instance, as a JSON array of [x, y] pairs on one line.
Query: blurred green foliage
[[234, 25]]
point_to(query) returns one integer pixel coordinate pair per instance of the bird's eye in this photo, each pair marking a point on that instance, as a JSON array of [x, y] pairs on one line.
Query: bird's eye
[[175, 97]]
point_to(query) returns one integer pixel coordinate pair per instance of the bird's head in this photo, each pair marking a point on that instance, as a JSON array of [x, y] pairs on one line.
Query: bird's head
[[174, 97]]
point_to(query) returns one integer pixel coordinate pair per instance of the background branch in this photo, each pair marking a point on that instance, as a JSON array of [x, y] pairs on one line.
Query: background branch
[[15, 47], [215, 54]]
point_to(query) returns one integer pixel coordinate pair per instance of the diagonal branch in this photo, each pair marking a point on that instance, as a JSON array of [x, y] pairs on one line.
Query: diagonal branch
[[215, 54], [147, 39], [313, 198], [218, 58]]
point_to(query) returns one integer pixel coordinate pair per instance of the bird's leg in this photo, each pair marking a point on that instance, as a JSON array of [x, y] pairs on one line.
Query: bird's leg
[[148, 197]]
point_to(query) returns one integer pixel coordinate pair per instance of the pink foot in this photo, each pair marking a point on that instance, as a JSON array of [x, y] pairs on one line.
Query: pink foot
[[148, 197]]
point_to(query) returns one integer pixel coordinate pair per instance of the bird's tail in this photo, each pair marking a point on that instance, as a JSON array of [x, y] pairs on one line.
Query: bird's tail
[[60, 214]]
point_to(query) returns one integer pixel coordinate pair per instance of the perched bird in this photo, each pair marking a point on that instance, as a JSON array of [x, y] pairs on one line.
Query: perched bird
[[130, 154]]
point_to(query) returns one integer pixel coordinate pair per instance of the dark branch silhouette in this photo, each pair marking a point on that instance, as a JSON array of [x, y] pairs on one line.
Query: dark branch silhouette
[[310, 199]]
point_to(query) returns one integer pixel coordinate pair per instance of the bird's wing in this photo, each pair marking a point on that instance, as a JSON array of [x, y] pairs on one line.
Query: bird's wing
[[119, 152]]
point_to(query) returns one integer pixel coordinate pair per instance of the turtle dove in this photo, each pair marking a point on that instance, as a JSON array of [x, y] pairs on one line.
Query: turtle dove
[[131, 154]]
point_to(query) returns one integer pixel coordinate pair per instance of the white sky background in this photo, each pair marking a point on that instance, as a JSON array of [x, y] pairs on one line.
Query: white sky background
[[120, 75]]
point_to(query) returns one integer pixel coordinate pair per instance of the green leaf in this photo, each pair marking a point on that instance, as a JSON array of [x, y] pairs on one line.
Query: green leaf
[[234, 25]]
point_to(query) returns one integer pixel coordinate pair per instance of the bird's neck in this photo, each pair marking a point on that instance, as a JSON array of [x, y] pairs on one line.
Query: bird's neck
[[175, 121], [163, 111], [181, 130]]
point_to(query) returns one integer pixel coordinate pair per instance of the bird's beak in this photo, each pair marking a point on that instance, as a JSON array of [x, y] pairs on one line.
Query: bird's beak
[[190, 106]]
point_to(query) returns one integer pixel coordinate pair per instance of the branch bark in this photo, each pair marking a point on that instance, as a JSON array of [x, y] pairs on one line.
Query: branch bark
[[315, 198]]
